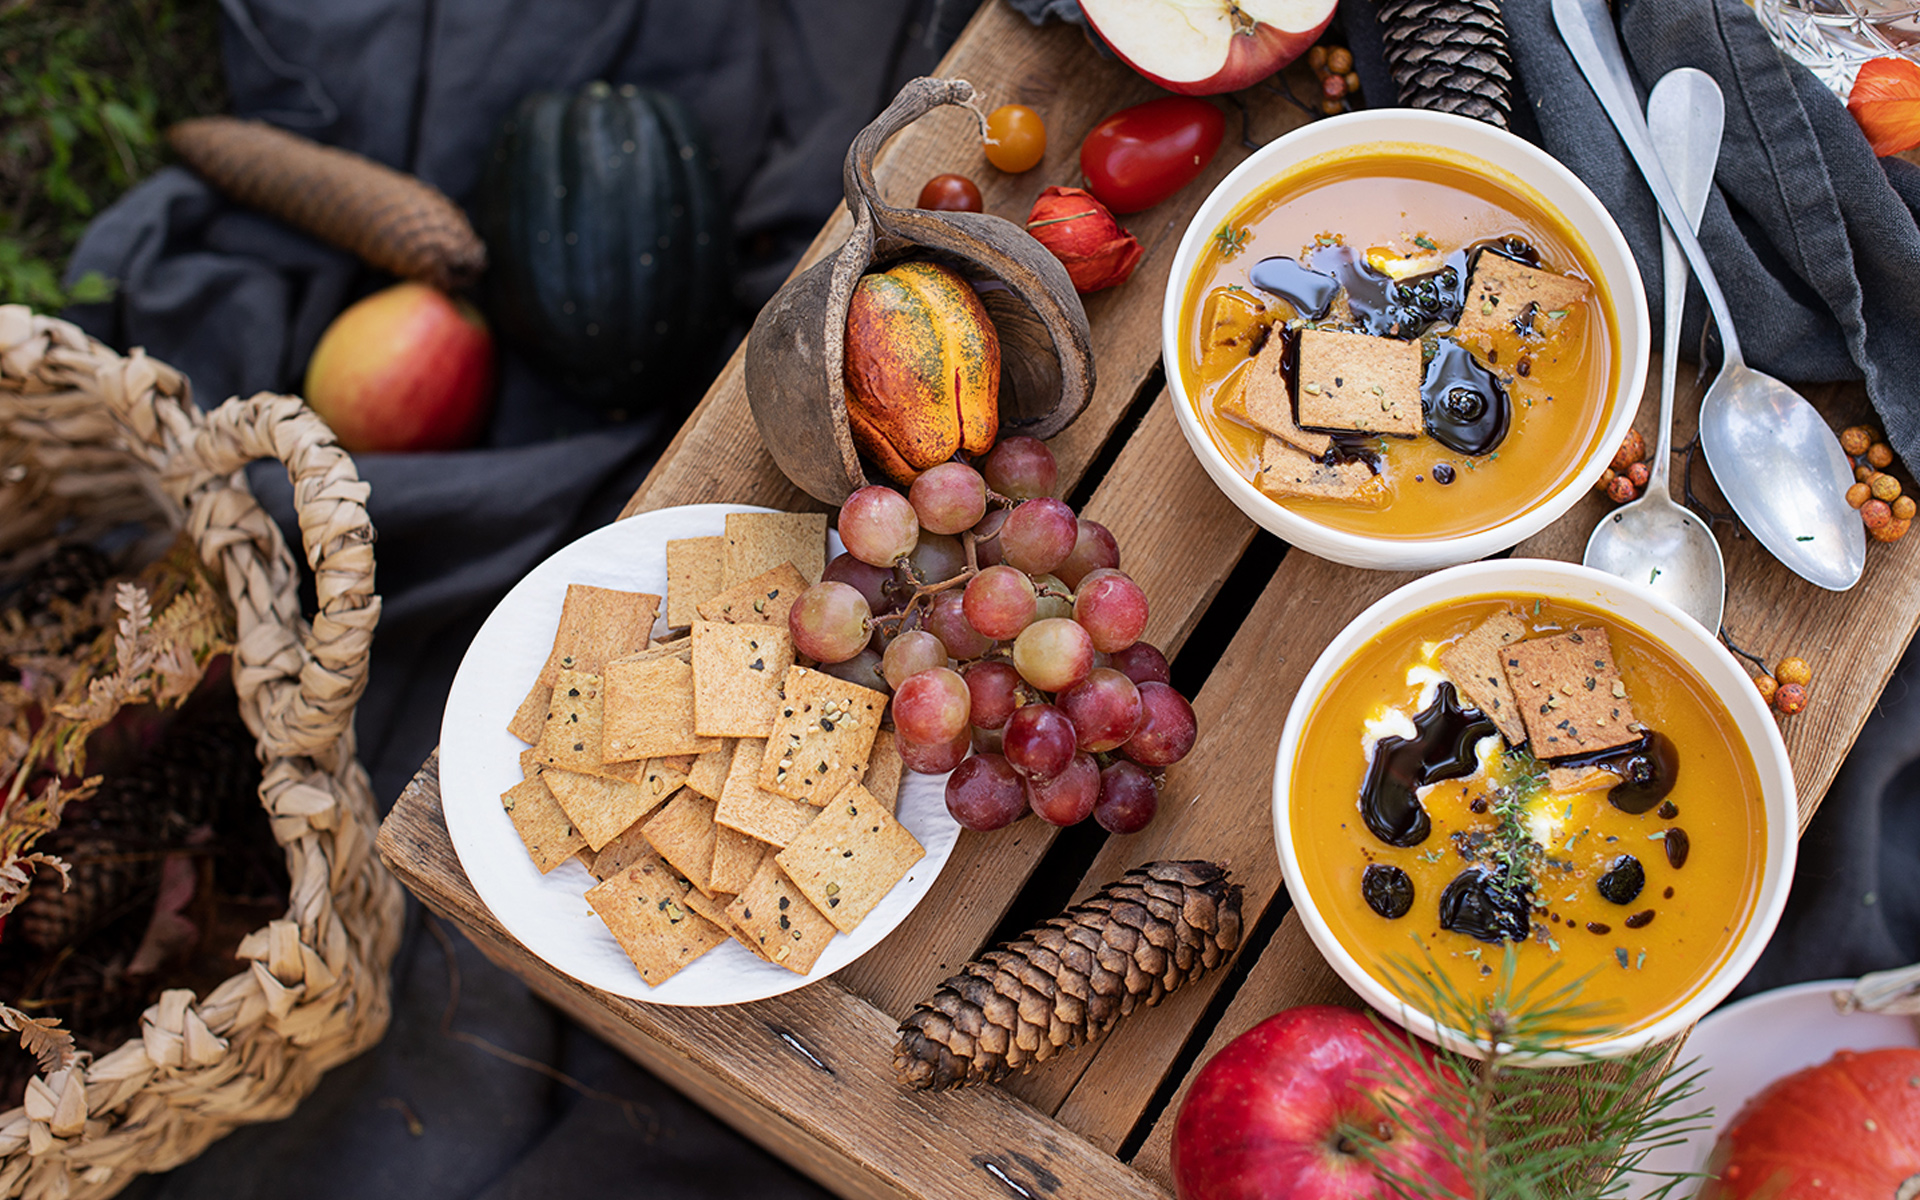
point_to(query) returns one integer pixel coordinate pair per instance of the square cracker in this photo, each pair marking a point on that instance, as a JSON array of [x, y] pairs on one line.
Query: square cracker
[[1570, 694], [737, 674], [694, 567], [763, 600], [747, 807], [642, 907], [571, 739], [713, 908], [1473, 663], [1287, 472], [735, 858], [759, 542], [822, 733], [648, 711], [630, 849], [1500, 289], [709, 771], [785, 928], [1267, 402], [1360, 382], [850, 857], [542, 824], [884, 769], [602, 808], [683, 834], [597, 625]]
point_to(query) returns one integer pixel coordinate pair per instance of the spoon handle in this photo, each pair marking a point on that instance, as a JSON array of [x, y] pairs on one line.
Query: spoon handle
[[1587, 28], [1685, 117]]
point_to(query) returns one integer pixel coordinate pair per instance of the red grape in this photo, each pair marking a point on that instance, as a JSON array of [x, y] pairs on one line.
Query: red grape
[[873, 582], [932, 707], [1142, 662], [986, 538], [987, 741], [912, 652], [863, 669], [995, 689], [1167, 727], [1053, 654], [830, 622], [936, 559], [1067, 798], [984, 793], [878, 526], [1038, 535], [1104, 708], [999, 602], [1113, 608], [1128, 799], [1039, 740], [949, 497], [1056, 598], [1021, 467], [1093, 548], [935, 759], [947, 620]]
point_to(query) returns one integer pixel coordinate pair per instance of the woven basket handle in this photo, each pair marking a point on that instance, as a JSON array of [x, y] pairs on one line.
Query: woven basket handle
[[302, 682]]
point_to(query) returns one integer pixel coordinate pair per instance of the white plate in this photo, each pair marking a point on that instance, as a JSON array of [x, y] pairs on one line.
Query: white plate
[[479, 760], [1746, 1046]]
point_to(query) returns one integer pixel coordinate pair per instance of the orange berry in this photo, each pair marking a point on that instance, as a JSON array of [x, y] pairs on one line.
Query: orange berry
[[1875, 513], [1884, 487], [1892, 531], [1317, 59], [1790, 699], [1858, 494], [1880, 455], [1333, 86], [1332, 107], [1353, 81], [1018, 138], [1855, 439], [1794, 670], [1903, 508], [1606, 477], [1621, 489], [1340, 60], [1633, 448], [1639, 473], [1768, 685], [1863, 472]]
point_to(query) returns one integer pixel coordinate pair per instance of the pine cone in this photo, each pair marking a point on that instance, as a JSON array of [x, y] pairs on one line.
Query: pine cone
[[71, 573], [1067, 982], [1450, 56]]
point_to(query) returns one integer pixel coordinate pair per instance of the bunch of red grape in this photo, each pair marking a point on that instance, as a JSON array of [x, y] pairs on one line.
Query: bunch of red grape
[[1010, 640]]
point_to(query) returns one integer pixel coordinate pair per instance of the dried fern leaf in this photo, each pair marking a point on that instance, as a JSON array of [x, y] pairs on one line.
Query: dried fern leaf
[[387, 217], [42, 1037]]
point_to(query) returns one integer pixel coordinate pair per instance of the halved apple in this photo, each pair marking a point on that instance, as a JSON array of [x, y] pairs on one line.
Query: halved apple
[[1206, 47]]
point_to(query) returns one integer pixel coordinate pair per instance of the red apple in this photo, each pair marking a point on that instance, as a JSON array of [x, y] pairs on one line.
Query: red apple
[[408, 368], [1270, 1117], [1206, 47]]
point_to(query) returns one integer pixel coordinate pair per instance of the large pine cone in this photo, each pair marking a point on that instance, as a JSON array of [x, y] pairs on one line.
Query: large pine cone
[[1070, 980], [1450, 56]]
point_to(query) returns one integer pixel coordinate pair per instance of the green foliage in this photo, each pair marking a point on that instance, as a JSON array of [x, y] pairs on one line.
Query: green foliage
[[1519, 1132], [86, 86]]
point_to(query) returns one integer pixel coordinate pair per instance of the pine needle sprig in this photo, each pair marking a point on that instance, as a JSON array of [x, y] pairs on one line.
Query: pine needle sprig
[[1516, 1131]]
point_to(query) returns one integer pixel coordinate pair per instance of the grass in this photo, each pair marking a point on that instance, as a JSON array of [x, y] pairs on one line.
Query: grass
[[86, 89]]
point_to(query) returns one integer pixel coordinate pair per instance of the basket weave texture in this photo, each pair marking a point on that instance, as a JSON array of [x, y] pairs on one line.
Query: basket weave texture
[[90, 441]]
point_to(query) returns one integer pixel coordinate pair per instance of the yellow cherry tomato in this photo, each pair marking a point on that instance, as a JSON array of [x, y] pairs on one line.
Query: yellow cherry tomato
[[1016, 138]]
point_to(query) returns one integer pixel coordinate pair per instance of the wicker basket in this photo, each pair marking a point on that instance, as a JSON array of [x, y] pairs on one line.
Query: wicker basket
[[89, 441]]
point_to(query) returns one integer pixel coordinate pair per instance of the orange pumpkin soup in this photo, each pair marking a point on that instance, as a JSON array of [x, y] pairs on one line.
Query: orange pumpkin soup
[[1399, 341], [1630, 849]]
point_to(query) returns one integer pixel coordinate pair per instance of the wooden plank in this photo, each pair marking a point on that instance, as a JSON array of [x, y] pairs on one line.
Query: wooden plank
[[812, 1066]]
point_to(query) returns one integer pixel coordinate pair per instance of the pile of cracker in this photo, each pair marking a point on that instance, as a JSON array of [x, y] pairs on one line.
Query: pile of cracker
[[713, 786]]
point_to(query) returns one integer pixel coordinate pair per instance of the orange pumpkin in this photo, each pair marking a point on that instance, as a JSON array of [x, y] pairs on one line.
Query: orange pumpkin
[[922, 369], [1848, 1129]]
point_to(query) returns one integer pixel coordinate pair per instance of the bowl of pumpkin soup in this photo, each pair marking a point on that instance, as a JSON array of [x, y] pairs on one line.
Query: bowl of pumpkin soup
[[1403, 339], [1532, 756]]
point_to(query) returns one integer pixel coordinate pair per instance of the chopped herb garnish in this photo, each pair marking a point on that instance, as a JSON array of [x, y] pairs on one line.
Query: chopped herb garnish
[[1557, 313], [1426, 243], [1230, 241], [1655, 575], [1620, 954], [1640, 961], [1805, 537]]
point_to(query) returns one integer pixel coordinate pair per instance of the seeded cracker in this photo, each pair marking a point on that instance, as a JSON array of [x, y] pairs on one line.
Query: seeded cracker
[[1286, 472], [763, 600], [649, 711], [709, 771], [1473, 663], [571, 740], [550, 837], [759, 542], [884, 768], [1359, 382], [737, 673], [735, 858], [597, 625], [680, 647], [850, 857], [694, 567], [683, 833], [821, 736], [777, 918], [643, 908], [1566, 689], [630, 849], [1266, 402], [747, 807], [713, 908], [1500, 290], [601, 808]]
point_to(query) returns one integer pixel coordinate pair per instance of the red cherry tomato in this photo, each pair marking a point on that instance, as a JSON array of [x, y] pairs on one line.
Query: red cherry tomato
[[950, 193], [1139, 156]]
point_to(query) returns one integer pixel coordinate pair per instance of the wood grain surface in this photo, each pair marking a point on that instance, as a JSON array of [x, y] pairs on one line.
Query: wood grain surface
[[1055, 1132]]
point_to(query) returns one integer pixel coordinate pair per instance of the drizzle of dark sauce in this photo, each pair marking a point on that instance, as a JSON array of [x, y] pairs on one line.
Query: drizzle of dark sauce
[[1310, 292], [1466, 408], [1388, 890], [1479, 905], [1441, 748], [1624, 880], [1648, 767], [1678, 844]]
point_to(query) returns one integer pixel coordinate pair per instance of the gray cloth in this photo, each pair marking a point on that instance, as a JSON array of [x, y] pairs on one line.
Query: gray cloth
[[237, 301]]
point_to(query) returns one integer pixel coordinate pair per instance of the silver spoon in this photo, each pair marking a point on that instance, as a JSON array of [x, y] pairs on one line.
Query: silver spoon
[[1654, 542], [1773, 456]]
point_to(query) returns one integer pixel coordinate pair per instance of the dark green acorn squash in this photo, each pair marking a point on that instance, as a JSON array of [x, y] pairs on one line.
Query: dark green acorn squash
[[611, 259]]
